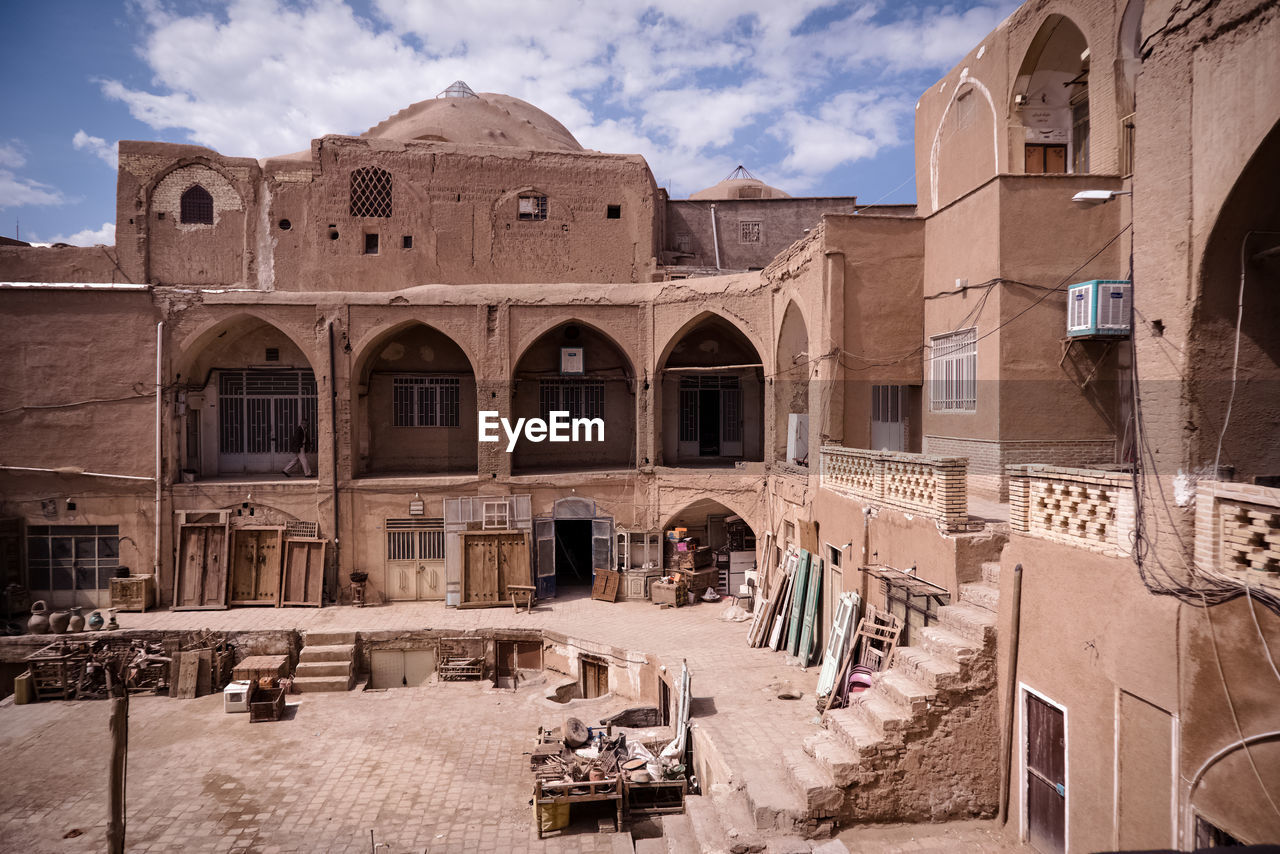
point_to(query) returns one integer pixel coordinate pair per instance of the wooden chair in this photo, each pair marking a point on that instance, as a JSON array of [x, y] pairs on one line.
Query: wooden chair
[[522, 594]]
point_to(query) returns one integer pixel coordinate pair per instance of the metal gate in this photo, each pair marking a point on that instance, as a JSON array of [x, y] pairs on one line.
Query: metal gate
[[257, 413]]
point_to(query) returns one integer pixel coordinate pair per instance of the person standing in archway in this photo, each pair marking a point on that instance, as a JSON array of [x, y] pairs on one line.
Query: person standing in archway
[[298, 447]]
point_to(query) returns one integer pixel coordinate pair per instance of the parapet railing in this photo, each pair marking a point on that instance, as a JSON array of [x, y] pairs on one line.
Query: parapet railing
[[930, 486], [1085, 508], [1238, 530]]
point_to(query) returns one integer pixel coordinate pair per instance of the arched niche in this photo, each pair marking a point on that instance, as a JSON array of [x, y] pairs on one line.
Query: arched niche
[[575, 368], [791, 386], [415, 405], [1240, 284], [246, 386], [1051, 100], [712, 403]]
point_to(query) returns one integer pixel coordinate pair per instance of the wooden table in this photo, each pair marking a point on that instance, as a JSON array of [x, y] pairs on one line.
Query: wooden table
[[255, 667]]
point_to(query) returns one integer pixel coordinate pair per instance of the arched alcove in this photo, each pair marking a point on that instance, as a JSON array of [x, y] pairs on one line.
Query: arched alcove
[[712, 395], [1051, 98], [791, 374], [415, 405], [247, 385], [576, 369]]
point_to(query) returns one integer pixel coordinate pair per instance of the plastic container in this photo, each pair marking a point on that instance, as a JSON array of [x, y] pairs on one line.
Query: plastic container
[[235, 697]]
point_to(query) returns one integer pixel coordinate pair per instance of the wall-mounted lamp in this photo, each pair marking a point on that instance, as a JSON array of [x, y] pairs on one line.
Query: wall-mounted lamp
[[1098, 197], [416, 506]]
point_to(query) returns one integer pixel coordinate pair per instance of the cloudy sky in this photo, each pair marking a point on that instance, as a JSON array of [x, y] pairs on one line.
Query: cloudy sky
[[814, 97]]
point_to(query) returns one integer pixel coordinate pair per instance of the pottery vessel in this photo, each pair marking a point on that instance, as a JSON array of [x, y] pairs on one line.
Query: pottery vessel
[[58, 622], [96, 621], [39, 622], [76, 623]]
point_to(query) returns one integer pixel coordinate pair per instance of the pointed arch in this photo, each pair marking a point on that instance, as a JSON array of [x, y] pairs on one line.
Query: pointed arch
[[1050, 97], [791, 372]]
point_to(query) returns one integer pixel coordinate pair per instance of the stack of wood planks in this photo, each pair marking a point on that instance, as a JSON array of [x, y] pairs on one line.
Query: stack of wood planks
[[786, 614]]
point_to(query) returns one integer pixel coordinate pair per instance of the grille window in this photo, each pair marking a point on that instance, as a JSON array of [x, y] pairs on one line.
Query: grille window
[[532, 207], [371, 192], [72, 557], [415, 539], [580, 398], [953, 372], [750, 232], [425, 401], [260, 408], [197, 206], [496, 515]]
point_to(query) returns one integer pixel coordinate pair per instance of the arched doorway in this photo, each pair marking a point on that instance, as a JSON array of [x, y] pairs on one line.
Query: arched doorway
[[712, 396], [1051, 96], [416, 405], [722, 540], [791, 390], [247, 386], [576, 369], [571, 544]]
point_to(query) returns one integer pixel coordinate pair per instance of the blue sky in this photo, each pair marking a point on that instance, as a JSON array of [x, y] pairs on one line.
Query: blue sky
[[814, 97]]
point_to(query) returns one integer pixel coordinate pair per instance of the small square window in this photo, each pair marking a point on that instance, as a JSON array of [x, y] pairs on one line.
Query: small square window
[[273, 354], [371, 244], [495, 515], [532, 207], [750, 232], [614, 212], [406, 242]]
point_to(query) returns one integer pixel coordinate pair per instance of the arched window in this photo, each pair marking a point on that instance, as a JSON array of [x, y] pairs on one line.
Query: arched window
[[370, 192], [197, 206]]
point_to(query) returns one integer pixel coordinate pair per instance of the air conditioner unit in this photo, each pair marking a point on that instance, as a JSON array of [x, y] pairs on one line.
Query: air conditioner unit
[[1100, 307]]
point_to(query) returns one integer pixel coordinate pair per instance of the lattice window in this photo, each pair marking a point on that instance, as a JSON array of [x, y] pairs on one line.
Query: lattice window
[[953, 372], [425, 401], [532, 207], [1250, 537], [496, 515], [196, 206], [750, 232], [371, 192], [415, 539], [580, 398]]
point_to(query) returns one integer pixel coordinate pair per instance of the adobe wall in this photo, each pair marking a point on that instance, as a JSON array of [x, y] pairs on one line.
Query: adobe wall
[[688, 233], [61, 264]]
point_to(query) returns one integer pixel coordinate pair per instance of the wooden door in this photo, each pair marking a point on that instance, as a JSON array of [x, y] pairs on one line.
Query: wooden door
[[513, 561], [595, 679], [479, 570], [429, 576], [255, 566], [200, 581], [1046, 791], [544, 534], [303, 582]]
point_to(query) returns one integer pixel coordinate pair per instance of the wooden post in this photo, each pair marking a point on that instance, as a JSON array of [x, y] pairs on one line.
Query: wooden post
[[119, 749]]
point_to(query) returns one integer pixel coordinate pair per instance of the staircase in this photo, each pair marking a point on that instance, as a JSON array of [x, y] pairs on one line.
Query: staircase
[[326, 663], [919, 745]]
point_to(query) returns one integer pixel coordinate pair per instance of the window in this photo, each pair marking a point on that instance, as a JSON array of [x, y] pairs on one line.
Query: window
[[415, 539], [72, 557], [425, 401], [580, 398], [258, 410], [197, 206], [371, 192], [751, 193], [272, 354], [613, 212], [496, 515], [833, 556], [532, 207], [1044, 159], [953, 372], [1080, 133], [964, 109], [371, 244], [406, 242], [750, 232]]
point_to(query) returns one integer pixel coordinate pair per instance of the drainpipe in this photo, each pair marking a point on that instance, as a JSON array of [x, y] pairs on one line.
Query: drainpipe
[[715, 237], [333, 447], [1010, 698], [155, 568]]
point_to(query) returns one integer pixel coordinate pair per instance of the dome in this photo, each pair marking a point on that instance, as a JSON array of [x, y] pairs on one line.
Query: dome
[[460, 115], [740, 184]]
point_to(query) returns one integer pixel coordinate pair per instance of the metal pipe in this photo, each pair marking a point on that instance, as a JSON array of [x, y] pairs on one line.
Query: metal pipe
[[715, 236], [155, 568], [333, 448], [76, 470], [1010, 698]]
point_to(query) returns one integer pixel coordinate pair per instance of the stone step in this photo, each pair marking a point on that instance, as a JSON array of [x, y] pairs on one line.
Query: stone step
[[323, 668], [886, 718], [901, 689], [621, 843], [991, 572], [708, 833], [313, 684], [852, 731], [736, 818], [333, 652], [651, 846], [788, 845], [982, 594], [775, 804], [841, 762], [926, 668], [814, 783], [945, 643], [677, 833], [969, 620], [328, 638]]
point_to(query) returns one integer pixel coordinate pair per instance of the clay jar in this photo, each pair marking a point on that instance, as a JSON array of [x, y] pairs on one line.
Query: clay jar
[[96, 621], [39, 622], [76, 623], [58, 622]]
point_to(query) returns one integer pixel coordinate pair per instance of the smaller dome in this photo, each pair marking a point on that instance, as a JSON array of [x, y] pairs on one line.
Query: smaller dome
[[740, 184]]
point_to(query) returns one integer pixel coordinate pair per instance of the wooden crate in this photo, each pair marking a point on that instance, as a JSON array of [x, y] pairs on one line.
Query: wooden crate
[[255, 667], [135, 593], [669, 594], [548, 796], [265, 704], [658, 797]]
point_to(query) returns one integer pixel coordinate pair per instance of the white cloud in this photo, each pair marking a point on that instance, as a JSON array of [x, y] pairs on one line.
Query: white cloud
[[97, 146], [105, 235], [695, 87], [16, 191], [12, 156]]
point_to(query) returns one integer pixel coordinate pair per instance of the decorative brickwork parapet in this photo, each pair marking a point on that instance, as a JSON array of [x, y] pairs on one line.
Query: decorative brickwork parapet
[[1085, 508], [1238, 531], [917, 483]]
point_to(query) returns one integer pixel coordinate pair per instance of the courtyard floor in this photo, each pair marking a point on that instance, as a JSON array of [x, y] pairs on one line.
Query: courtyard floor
[[436, 768]]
